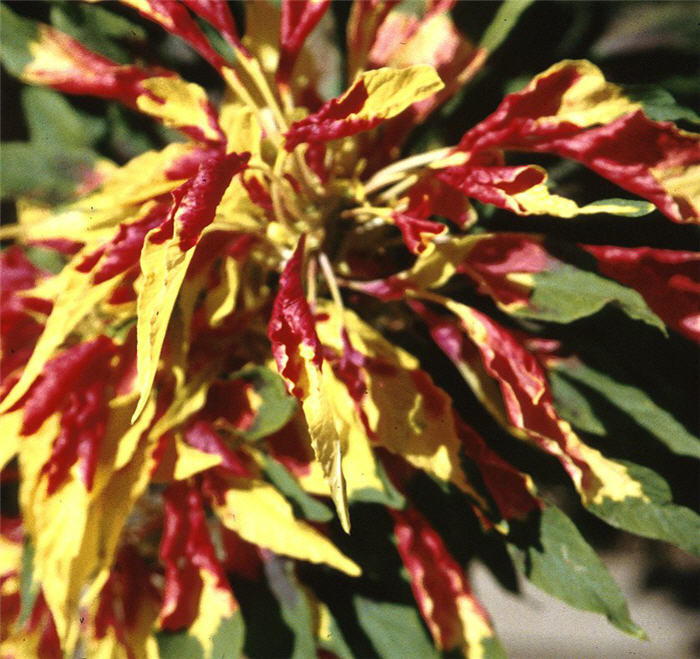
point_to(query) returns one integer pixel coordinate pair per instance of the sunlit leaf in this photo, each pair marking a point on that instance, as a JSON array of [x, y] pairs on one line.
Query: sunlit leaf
[[559, 561]]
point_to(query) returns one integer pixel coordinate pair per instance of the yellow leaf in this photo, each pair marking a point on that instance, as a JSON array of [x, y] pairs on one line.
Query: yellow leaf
[[242, 129], [391, 91], [215, 605], [220, 301], [75, 532], [359, 465], [324, 437], [590, 99], [163, 266], [407, 413], [178, 104], [10, 426], [262, 516], [191, 461]]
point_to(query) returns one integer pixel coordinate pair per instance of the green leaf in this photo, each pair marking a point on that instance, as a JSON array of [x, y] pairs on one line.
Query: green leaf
[[633, 401], [658, 104], [623, 207], [229, 637], [97, 28], [16, 34], [395, 630], [565, 293], [28, 586], [653, 516], [226, 642], [503, 22], [562, 563], [387, 496], [573, 406], [47, 259], [179, 644], [294, 605], [58, 155], [277, 406], [49, 173], [52, 120], [335, 643], [304, 503]]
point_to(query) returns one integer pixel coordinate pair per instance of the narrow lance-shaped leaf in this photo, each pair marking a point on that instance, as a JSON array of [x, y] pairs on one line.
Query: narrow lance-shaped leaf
[[669, 281], [453, 614], [525, 280], [297, 352], [299, 17], [196, 592], [166, 255], [560, 562], [251, 508], [633, 401], [572, 111], [174, 17], [608, 488], [401, 407]]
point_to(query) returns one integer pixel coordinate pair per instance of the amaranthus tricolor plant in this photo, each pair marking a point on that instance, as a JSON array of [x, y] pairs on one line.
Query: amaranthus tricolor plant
[[240, 373]]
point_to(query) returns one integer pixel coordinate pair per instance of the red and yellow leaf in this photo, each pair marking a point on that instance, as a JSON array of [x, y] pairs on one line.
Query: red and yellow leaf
[[373, 97], [299, 359], [454, 616]]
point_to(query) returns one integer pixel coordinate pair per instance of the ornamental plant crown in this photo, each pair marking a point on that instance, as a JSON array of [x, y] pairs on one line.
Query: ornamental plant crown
[[231, 340]]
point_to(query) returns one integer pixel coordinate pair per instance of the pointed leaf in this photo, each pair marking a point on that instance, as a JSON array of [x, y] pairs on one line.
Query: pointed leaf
[[394, 629], [651, 513], [634, 402], [297, 352], [669, 281], [503, 22], [251, 508], [374, 96], [453, 614], [560, 562]]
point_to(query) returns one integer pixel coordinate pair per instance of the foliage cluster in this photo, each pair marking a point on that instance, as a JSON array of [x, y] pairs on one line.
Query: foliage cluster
[[278, 365]]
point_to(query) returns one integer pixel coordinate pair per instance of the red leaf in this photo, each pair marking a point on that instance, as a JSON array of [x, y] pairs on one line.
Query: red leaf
[[668, 280], [507, 486], [128, 589], [299, 17], [74, 69], [291, 329], [639, 155], [19, 329], [204, 437], [332, 121], [62, 376], [219, 15], [437, 580], [174, 17], [185, 549], [195, 201], [494, 257]]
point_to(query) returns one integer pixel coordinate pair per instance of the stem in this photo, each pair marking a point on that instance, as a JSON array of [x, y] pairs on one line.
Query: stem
[[395, 171], [331, 281], [252, 68], [396, 190], [240, 90]]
